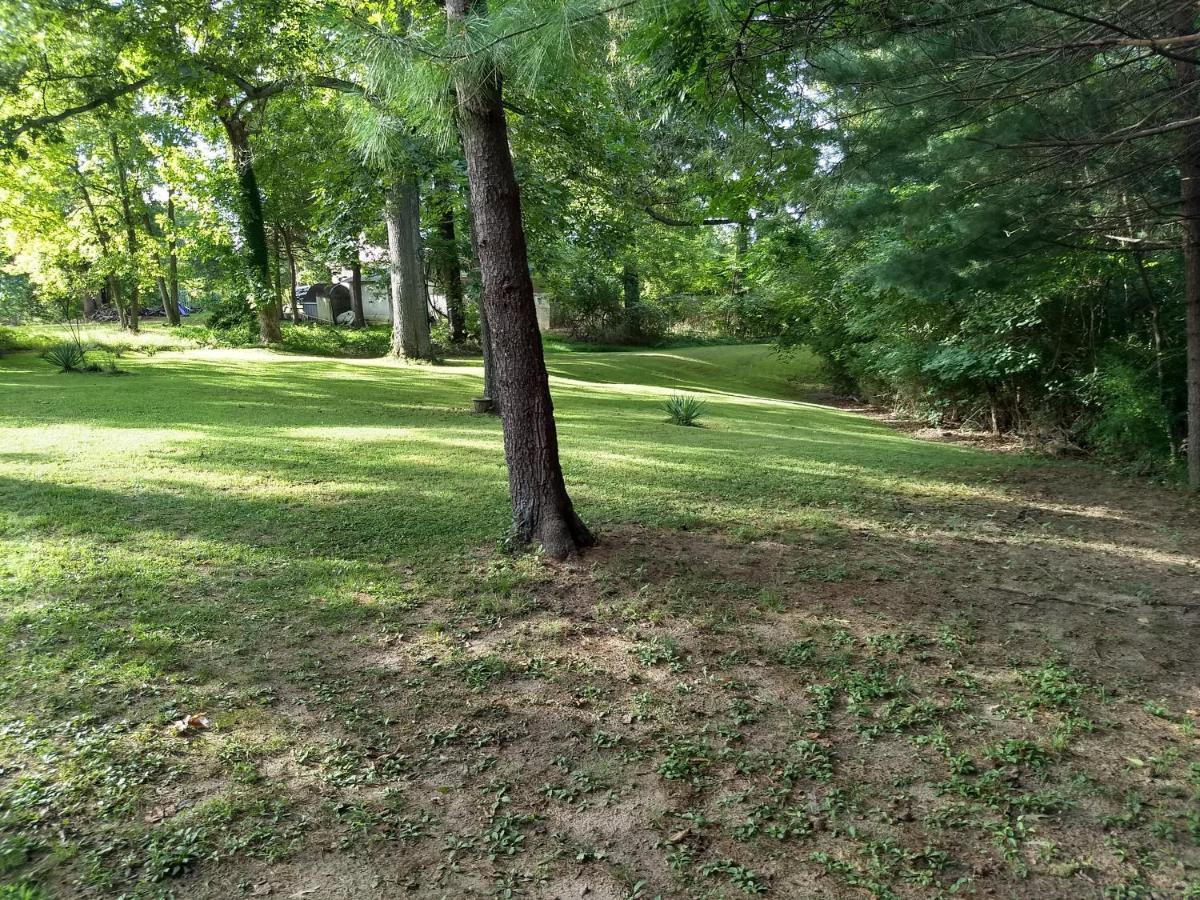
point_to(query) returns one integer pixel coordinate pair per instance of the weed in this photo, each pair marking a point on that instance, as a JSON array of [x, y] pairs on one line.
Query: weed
[[744, 879], [658, 651], [687, 759], [482, 672]]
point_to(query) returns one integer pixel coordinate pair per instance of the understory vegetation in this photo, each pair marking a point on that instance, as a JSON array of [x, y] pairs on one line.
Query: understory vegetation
[[811, 657]]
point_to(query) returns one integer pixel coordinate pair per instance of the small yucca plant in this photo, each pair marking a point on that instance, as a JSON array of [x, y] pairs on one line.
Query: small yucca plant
[[67, 356], [683, 409]]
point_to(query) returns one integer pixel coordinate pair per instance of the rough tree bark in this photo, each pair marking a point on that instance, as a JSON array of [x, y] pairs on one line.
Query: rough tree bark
[[250, 216], [133, 312], [276, 277], [446, 264], [410, 315], [541, 508], [356, 293], [1188, 81]]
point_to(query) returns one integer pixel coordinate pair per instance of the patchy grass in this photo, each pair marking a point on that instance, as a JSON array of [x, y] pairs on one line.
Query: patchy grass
[[812, 657]]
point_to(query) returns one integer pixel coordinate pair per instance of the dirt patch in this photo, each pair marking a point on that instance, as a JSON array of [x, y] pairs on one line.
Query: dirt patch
[[994, 697]]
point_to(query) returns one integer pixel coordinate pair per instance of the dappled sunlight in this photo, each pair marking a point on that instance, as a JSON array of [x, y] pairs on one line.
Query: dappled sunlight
[[303, 549]]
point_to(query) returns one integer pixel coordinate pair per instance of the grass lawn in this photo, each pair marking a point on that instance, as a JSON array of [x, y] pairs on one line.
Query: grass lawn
[[812, 657]]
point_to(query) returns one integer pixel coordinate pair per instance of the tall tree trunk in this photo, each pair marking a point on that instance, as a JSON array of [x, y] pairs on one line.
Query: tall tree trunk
[[356, 290], [541, 508], [446, 263], [172, 261], [133, 312], [164, 296], [250, 216], [1188, 82], [292, 278], [410, 307], [276, 277]]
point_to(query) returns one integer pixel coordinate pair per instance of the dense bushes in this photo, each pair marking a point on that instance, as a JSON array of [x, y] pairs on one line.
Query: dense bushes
[[1126, 418], [1065, 347], [327, 340]]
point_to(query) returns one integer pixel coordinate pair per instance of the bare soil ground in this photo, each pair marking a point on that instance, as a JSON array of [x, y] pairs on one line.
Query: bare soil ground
[[998, 703]]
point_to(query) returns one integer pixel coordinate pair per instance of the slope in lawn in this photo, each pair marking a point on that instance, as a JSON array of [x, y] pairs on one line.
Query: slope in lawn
[[812, 655]]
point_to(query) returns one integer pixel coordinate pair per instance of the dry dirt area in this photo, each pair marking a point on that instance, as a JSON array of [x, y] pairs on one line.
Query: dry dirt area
[[1001, 704]]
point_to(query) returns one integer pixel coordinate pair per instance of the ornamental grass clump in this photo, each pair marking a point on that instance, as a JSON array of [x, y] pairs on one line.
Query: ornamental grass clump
[[683, 409]]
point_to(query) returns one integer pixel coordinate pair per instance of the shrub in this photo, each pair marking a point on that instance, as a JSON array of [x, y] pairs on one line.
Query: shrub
[[232, 313], [67, 356], [1128, 421], [331, 340], [105, 364], [684, 409]]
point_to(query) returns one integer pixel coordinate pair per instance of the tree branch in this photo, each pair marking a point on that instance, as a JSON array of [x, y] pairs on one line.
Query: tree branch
[[11, 134], [688, 223]]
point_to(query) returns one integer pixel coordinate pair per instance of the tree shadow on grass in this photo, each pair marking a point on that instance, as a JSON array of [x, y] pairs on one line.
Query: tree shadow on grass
[[295, 550]]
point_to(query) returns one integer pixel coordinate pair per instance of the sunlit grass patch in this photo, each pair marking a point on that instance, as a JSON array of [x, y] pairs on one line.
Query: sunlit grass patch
[[308, 551]]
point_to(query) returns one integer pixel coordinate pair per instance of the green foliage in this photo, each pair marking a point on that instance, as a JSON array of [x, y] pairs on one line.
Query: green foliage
[[1127, 420], [329, 340], [684, 409], [231, 313], [17, 302], [66, 356], [22, 890]]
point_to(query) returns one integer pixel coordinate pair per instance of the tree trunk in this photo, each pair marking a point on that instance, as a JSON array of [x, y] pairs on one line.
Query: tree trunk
[[133, 312], [164, 296], [446, 264], [114, 293], [491, 389], [250, 216], [172, 262], [276, 278], [356, 293], [541, 508], [291, 255], [740, 246], [113, 284], [410, 315], [1188, 80]]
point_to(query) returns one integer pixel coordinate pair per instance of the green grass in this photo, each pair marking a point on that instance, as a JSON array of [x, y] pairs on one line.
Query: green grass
[[303, 549]]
